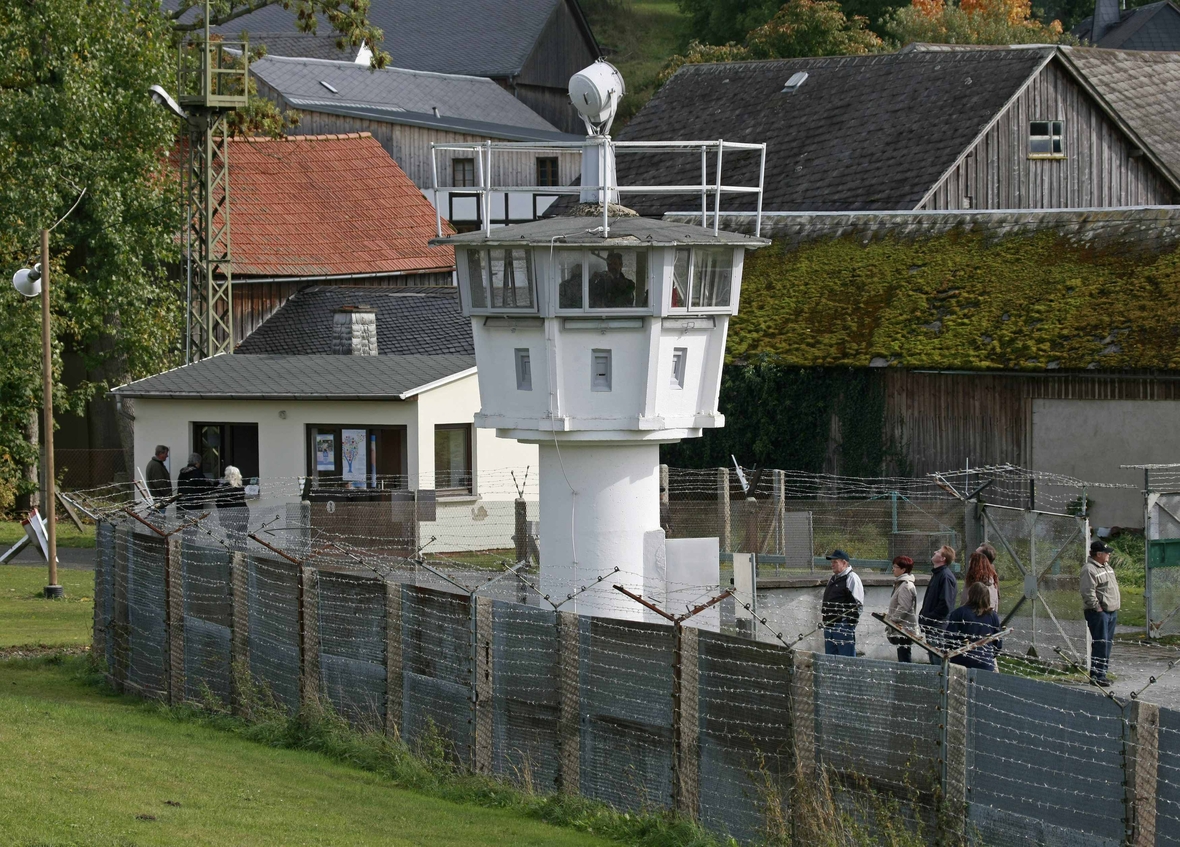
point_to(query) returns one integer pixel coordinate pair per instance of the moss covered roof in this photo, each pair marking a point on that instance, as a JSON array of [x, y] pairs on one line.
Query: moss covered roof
[[960, 301]]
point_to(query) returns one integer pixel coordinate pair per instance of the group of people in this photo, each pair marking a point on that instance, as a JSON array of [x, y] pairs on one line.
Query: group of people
[[948, 620], [195, 491]]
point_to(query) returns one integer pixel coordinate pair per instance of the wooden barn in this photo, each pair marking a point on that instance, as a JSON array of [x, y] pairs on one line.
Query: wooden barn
[[529, 47], [930, 127], [406, 111]]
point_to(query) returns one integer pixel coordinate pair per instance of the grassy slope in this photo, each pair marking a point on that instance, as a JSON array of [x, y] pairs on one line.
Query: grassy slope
[[67, 534], [639, 37], [81, 767], [27, 619]]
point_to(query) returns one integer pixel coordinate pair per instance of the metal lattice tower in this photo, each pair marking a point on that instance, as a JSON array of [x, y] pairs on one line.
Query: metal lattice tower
[[213, 82]]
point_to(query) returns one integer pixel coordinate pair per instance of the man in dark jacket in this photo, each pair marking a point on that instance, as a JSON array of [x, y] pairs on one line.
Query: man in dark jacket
[[192, 485], [159, 479], [844, 597], [940, 599]]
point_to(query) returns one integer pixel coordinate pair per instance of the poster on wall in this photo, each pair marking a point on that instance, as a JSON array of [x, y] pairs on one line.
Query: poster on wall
[[353, 451], [325, 452]]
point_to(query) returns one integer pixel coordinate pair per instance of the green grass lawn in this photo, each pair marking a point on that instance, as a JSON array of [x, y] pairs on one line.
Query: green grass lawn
[[26, 618], [84, 767], [67, 534]]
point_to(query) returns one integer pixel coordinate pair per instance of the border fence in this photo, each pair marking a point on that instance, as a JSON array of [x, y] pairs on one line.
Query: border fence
[[741, 735]]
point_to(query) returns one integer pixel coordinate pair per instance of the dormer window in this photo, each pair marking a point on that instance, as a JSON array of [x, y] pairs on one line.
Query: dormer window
[[600, 279], [1046, 139]]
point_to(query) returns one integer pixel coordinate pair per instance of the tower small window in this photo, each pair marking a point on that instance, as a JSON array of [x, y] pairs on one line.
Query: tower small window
[[547, 171], [463, 173], [1046, 139], [524, 370], [679, 356], [600, 376]]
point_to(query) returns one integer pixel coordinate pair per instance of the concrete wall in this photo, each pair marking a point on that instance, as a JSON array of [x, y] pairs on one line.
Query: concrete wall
[[1089, 439]]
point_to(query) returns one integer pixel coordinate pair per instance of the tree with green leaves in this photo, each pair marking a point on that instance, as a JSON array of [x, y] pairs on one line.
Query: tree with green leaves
[[716, 22]]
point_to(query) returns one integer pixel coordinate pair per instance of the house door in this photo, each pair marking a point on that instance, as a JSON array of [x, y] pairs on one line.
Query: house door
[[225, 444]]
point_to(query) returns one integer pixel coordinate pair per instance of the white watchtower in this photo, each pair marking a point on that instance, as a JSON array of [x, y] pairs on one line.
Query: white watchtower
[[599, 338]]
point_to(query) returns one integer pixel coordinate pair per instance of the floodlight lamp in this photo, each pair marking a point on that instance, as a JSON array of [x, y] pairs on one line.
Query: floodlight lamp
[[159, 95], [28, 282], [595, 92]]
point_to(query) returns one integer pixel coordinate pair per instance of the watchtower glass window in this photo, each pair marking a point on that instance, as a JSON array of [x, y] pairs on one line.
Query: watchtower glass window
[[703, 278], [501, 279], [601, 279], [1046, 139]]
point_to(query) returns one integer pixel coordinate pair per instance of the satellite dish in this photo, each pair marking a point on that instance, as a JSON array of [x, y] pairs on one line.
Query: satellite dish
[[162, 97], [28, 282], [595, 92]]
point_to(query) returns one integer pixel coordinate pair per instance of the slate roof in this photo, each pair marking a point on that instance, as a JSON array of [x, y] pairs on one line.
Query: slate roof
[[623, 231], [327, 205], [410, 321], [398, 95], [863, 132], [233, 377], [478, 37], [1155, 26]]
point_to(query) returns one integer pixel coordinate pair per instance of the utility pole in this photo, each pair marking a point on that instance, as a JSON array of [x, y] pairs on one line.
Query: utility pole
[[53, 590]]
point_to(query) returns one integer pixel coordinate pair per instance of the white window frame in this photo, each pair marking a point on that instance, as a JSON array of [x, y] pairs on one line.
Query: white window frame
[[679, 365], [688, 308], [1056, 133], [469, 283], [524, 369], [555, 290]]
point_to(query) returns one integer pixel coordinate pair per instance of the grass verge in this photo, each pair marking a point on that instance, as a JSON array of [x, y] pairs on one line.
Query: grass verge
[[27, 619]]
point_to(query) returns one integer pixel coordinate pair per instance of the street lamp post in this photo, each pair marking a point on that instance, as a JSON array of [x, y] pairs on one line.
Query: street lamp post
[[26, 282]]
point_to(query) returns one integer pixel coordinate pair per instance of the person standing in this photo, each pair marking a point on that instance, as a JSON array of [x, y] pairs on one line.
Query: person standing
[[974, 620], [903, 607], [1100, 604], [844, 597], [159, 478], [939, 599], [981, 569], [232, 511], [191, 485]]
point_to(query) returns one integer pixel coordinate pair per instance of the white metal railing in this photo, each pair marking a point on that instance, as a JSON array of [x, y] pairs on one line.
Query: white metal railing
[[483, 153]]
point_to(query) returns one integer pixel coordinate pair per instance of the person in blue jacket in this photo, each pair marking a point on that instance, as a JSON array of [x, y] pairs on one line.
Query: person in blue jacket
[[940, 598], [972, 621]]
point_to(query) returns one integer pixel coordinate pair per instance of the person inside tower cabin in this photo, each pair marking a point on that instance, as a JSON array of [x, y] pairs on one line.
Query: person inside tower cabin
[[612, 288]]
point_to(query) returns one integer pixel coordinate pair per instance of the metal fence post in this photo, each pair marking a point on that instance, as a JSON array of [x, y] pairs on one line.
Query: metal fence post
[[393, 659], [240, 624], [119, 624], [1141, 763], [481, 759], [780, 512], [174, 617], [102, 614], [665, 500], [802, 765], [686, 765], [1148, 577], [952, 754], [309, 636], [723, 515], [569, 720], [520, 537]]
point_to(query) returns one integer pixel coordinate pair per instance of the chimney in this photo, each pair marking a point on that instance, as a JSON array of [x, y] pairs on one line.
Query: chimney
[[1106, 17], [354, 331]]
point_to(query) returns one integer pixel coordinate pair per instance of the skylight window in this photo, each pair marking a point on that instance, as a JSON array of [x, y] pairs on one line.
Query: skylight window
[[796, 80], [329, 86], [1046, 139]]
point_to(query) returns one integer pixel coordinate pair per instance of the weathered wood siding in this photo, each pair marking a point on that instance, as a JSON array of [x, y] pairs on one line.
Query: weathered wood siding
[[941, 420], [254, 302], [409, 146], [563, 49], [1098, 169]]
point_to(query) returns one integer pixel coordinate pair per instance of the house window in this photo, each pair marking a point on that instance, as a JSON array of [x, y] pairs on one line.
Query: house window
[[702, 278], [463, 173], [679, 356], [600, 370], [342, 456], [225, 444], [452, 458], [524, 370], [547, 171], [1045, 139]]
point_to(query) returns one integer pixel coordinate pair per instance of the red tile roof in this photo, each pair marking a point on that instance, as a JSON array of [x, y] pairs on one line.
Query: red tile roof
[[326, 205]]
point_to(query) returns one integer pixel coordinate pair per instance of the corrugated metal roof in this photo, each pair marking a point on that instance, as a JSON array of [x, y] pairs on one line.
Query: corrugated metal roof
[[236, 377], [327, 205]]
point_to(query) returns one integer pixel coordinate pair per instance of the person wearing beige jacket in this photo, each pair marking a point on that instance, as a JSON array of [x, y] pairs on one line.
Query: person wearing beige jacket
[[1100, 604], [903, 607]]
